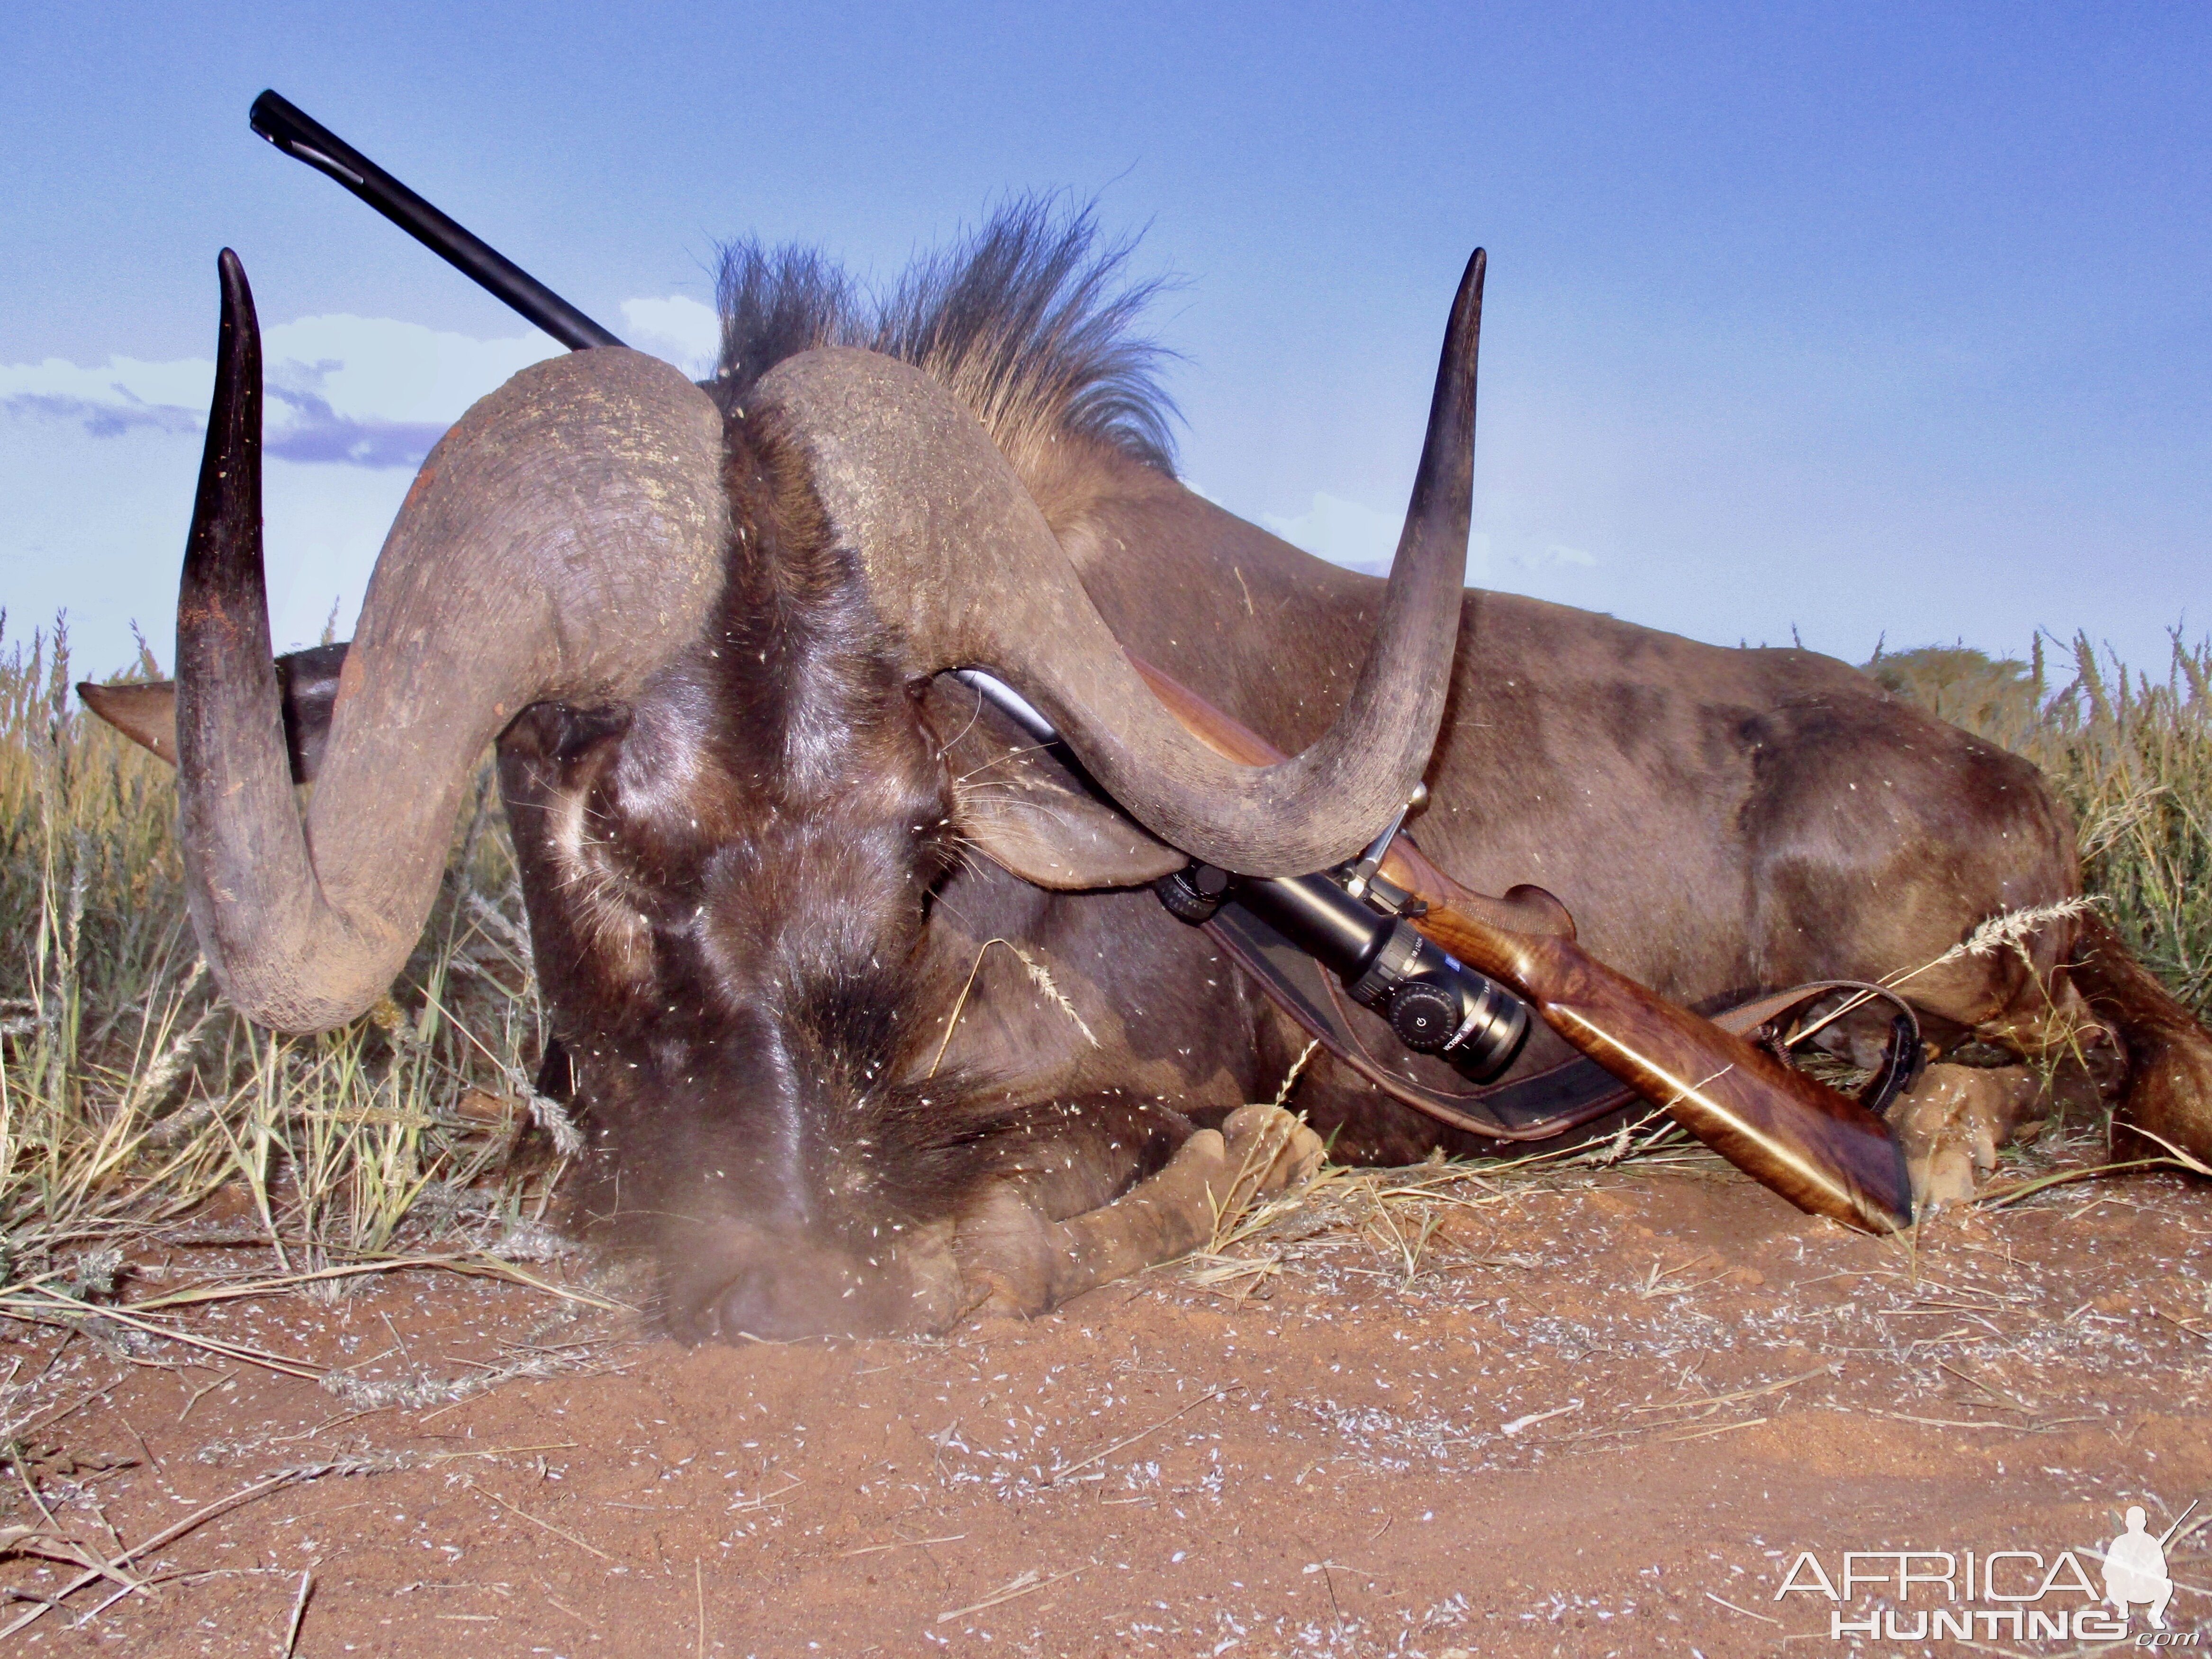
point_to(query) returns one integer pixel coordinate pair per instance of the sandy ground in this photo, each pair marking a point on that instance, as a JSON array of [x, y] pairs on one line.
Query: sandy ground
[[1605, 1415]]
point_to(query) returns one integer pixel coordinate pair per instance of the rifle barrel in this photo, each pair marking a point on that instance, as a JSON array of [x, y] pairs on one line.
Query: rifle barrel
[[299, 135]]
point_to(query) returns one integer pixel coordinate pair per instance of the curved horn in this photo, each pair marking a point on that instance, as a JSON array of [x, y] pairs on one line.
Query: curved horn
[[562, 541], [958, 554]]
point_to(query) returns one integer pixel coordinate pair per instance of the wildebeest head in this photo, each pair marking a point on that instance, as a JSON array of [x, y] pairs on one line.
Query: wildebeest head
[[705, 637]]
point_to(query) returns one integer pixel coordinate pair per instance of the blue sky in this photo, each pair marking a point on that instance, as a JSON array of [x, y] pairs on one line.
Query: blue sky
[[1869, 320]]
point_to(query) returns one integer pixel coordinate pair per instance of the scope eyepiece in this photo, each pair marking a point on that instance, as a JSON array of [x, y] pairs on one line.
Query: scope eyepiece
[[1437, 1005], [1434, 1004], [1493, 1023], [1425, 1017]]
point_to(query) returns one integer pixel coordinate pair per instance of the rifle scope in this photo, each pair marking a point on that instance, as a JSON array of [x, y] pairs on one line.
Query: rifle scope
[[1434, 1004]]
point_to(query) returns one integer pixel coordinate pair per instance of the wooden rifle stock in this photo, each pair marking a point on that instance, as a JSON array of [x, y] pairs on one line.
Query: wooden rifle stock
[[1820, 1150]]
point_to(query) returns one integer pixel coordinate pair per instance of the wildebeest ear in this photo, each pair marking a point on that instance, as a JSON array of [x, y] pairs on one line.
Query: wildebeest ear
[[1025, 811], [147, 714]]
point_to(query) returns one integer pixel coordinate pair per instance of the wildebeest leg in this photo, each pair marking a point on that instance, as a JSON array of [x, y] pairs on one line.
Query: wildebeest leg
[[2094, 1022], [2169, 1087], [1955, 1116], [1015, 1259]]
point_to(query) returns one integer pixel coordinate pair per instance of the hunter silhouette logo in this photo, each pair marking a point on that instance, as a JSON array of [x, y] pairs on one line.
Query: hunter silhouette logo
[[2134, 1568]]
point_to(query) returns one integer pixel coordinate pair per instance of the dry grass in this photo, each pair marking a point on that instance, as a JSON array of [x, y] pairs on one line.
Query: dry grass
[[135, 1106], [130, 1093], [1399, 1214]]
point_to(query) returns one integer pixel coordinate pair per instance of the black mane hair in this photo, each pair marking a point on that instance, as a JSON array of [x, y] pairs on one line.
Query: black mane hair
[[1030, 320]]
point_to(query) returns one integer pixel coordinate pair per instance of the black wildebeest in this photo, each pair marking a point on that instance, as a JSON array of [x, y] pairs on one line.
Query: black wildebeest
[[769, 846]]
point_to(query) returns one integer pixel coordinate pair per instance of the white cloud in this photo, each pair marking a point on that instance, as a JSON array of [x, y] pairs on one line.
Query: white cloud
[[1363, 539], [368, 392], [97, 465], [134, 392], [358, 391], [377, 369], [678, 331], [1556, 557], [1343, 533]]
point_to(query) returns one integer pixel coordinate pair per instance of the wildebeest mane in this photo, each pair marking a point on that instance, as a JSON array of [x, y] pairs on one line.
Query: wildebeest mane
[[1031, 320]]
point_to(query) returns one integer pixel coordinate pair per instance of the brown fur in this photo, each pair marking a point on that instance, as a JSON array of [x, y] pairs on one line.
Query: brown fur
[[731, 884], [1718, 821]]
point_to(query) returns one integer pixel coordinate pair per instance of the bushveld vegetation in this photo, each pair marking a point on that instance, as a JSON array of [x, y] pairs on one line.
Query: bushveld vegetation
[[130, 1092]]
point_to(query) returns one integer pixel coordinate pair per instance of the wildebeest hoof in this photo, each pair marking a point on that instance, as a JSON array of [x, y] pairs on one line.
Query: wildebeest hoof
[[1008, 1253], [1952, 1123], [1013, 1262], [1270, 1151]]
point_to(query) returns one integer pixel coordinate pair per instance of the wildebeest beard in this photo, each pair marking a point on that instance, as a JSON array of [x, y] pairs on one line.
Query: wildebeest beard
[[730, 885]]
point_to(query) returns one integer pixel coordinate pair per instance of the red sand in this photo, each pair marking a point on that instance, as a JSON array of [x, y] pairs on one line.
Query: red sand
[[1607, 1408]]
